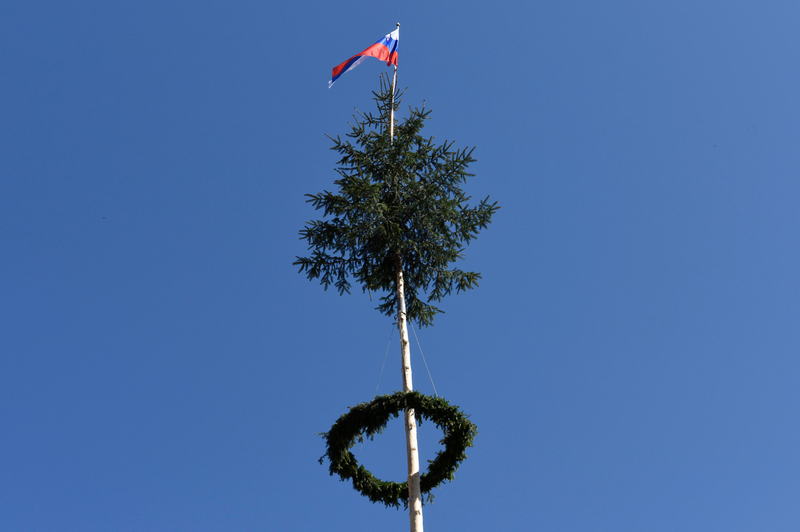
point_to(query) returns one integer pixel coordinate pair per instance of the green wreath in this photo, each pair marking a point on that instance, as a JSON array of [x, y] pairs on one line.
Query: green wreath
[[368, 419]]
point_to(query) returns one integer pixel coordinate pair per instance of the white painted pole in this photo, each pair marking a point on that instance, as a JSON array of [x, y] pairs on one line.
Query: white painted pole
[[412, 449], [391, 113]]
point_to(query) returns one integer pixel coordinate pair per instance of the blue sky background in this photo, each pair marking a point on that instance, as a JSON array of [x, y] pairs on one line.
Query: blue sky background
[[630, 358]]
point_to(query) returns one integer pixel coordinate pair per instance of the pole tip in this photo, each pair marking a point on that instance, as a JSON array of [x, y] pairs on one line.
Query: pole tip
[[398, 24]]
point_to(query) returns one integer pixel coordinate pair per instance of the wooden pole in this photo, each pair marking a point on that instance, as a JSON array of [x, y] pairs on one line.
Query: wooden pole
[[412, 449], [391, 112]]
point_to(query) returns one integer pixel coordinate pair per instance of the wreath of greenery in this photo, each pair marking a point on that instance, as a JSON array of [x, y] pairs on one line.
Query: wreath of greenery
[[368, 419]]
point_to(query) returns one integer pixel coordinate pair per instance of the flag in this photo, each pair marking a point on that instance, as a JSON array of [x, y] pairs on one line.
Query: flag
[[385, 50]]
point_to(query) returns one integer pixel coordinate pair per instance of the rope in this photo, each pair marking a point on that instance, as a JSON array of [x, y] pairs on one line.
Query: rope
[[386, 356], [423, 358], [358, 455], [384, 359]]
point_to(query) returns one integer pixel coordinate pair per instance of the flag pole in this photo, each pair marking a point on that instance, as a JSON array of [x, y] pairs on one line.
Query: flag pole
[[391, 113], [412, 449]]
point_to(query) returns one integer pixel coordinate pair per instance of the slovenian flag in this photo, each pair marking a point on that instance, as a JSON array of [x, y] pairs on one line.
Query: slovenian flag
[[385, 50]]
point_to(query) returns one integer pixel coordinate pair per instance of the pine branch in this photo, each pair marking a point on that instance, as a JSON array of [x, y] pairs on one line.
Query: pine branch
[[400, 199]]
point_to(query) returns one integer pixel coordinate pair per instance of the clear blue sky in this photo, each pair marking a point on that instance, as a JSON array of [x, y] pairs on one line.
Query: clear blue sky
[[630, 358]]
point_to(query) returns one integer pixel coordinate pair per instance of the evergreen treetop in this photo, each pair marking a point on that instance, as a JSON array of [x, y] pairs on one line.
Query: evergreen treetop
[[399, 205]]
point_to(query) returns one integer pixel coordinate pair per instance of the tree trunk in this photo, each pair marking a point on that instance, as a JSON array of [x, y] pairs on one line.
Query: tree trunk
[[414, 496]]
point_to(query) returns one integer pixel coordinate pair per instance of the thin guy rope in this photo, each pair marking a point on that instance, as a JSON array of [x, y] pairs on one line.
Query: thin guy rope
[[384, 359], [423, 358], [379, 382]]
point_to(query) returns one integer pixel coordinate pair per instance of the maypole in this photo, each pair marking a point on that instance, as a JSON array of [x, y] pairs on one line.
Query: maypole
[[412, 449], [389, 198], [394, 84]]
